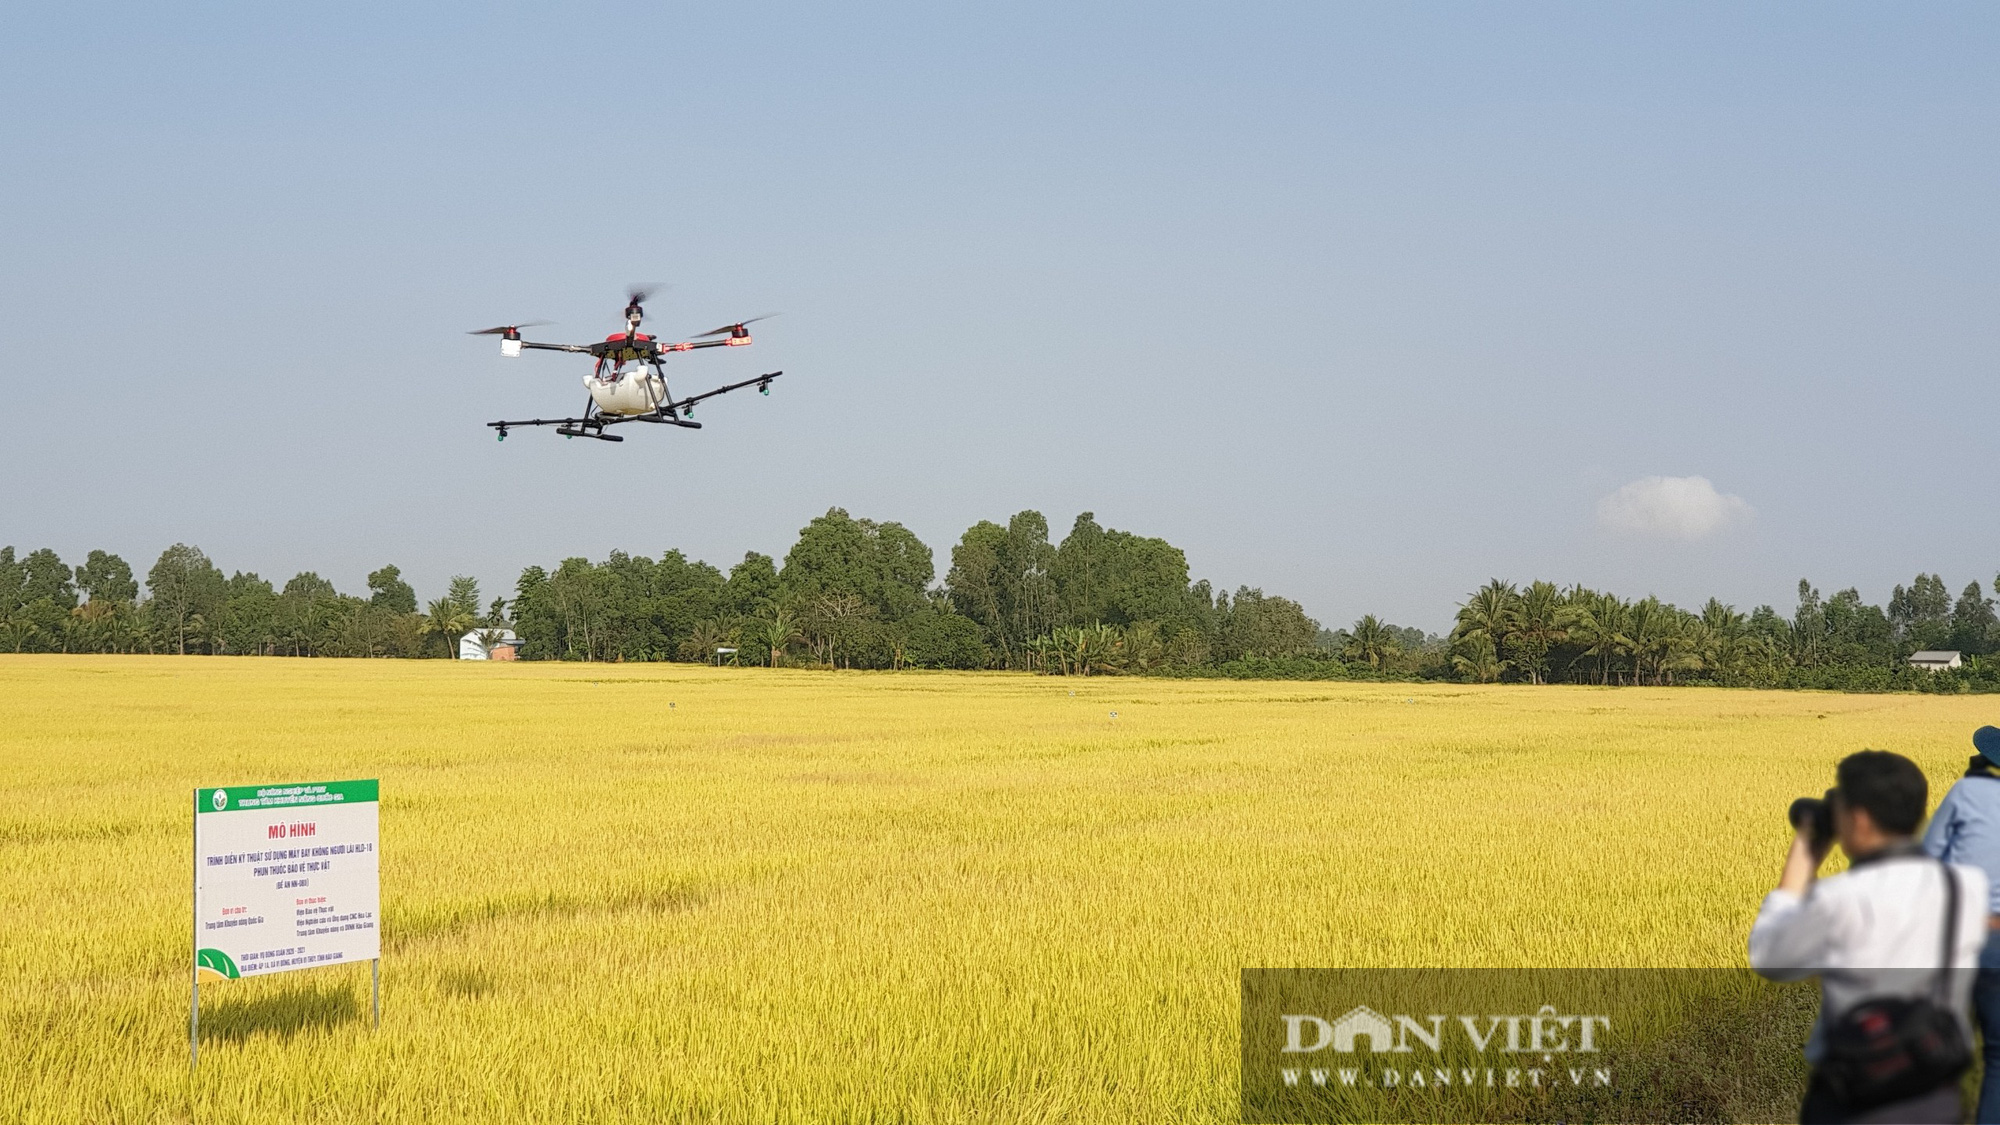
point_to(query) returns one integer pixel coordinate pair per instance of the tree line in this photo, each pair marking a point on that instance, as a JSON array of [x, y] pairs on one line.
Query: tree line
[[1540, 633], [850, 593], [857, 593], [190, 607]]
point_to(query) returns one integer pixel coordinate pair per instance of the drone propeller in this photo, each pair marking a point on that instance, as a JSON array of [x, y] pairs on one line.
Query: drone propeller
[[506, 328], [736, 327], [640, 293]]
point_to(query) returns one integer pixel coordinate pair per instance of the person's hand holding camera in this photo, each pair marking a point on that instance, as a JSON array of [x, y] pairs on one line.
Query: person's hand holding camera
[[1814, 835]]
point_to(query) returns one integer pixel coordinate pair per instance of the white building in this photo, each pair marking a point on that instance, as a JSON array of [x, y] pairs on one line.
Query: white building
[[475, 645], [1935, 660]]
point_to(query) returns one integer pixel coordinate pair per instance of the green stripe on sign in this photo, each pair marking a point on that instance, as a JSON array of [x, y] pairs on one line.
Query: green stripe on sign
[[234, 797]]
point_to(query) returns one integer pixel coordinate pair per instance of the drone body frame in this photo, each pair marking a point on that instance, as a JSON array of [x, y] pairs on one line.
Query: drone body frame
[[629, 381]]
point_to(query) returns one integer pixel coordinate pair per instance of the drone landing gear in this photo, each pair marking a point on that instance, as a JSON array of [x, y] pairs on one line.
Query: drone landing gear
[[665, 413]]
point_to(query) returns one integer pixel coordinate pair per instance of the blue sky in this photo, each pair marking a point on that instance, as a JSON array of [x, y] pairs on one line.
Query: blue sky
[[1359, 304]]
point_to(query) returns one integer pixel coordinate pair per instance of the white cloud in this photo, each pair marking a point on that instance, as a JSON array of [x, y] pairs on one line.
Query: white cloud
[[1672, 508]]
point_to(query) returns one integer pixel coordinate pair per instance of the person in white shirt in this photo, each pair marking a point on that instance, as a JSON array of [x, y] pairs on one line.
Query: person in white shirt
[[1875, 931]]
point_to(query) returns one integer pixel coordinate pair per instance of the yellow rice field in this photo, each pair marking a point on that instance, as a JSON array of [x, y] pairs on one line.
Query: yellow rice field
[[667, 893]]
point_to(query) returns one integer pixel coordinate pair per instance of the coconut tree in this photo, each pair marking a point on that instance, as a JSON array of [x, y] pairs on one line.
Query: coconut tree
[[710, 635], [1370, 641], [1489, 614], [1651, 632], [1474, 656], [1540, 622], [1598, 624], [16, 632], [448, 620]]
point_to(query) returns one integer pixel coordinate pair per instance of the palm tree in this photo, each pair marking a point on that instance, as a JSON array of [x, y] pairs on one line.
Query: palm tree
[[1599, 622], [1651, 635], [448, 620], [1488, 614], [1540, 623], [16, 632], [1370, 641], [1728, 636], [710, 635], [1140, 647], [1475, 657], [777, 631], [1694, 647]]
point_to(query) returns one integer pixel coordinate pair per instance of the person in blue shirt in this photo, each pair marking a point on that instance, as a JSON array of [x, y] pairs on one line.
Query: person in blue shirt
[[1966, 829]]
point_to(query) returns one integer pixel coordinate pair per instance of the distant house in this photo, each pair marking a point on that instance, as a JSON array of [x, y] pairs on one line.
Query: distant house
[[1935, 660], [503, 645]]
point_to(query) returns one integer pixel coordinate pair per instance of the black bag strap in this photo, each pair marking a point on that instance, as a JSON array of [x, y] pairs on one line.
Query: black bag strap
[[1943, 984]]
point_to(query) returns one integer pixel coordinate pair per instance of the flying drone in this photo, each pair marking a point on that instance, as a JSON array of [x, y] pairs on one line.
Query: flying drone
[[628, 384]]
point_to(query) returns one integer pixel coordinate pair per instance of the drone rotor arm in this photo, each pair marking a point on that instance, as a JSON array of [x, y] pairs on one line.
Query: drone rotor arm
[[762, 382], [696, 344]]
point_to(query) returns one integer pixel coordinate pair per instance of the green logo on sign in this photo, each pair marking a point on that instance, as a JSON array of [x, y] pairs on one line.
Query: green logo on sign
[[221, 799], [214, 964]]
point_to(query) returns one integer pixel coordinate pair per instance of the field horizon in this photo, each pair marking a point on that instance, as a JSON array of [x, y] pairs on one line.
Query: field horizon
[[662, 892]]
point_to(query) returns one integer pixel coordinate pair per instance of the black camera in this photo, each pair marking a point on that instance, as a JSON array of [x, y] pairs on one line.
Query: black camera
[[1814, 817]]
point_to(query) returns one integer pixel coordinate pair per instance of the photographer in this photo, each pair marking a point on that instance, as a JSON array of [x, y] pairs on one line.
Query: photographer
[[1891, 1039], [1966, 829]]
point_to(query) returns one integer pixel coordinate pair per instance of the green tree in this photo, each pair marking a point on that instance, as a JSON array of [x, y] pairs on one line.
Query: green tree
[[1474, 655], [711, 635], [1646, 631], [184, 585], [1598, 626], [1920, 616], [12, 577], [1371, 642], [831, 619], [883, 564], [387, 590], [1001, 578], [107, 578], [1256, 624], [1489, 614], [308, 608], [778, 631], [463, 593], [937, 639], [752, 588], [249, 620], [43, 595], [1119, 578], [448, 620], [576, 595], [1973, 624], [1540, 622], [976, 587]]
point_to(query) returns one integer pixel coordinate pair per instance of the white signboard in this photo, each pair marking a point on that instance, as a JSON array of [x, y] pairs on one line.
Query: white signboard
[[285, 877]]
